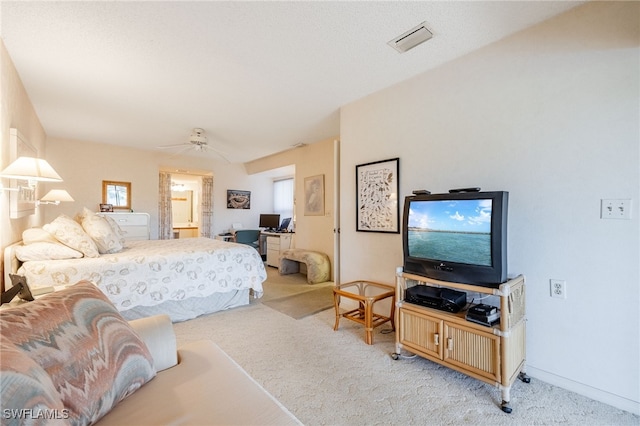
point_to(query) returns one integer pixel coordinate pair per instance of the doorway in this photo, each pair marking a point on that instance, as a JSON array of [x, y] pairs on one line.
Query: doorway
[[186, 191]]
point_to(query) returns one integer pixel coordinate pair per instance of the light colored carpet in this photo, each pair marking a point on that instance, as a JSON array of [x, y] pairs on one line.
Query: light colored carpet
[[328, 377], [278, 286], [303, 304]]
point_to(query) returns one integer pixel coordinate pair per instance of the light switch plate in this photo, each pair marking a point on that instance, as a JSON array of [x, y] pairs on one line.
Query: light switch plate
[[615, 209]]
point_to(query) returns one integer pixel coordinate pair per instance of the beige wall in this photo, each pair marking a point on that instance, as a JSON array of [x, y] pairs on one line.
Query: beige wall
[[312, 232], [17, 112], [84, 166], [551, 115]]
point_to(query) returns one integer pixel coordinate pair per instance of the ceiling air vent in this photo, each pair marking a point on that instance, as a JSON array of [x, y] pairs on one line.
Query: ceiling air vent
[[411, 38]]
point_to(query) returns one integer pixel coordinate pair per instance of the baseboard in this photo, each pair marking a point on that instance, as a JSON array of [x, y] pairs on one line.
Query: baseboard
[[585, 390]]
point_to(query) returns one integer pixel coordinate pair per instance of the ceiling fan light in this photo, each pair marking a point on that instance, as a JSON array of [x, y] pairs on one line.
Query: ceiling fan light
[[197, 142], [198, 137]]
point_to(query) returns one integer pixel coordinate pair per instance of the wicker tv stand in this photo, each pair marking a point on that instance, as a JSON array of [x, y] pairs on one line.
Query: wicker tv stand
[[495, 355]]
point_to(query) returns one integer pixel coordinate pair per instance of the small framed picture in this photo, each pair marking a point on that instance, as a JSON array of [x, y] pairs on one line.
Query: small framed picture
[[107, 208], [237, 199], [314, 196]]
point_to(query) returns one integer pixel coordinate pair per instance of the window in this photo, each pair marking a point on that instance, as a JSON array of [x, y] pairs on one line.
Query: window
[[283, 197]]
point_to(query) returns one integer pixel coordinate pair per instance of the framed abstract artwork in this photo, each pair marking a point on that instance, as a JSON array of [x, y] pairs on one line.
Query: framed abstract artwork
[[377, 207]]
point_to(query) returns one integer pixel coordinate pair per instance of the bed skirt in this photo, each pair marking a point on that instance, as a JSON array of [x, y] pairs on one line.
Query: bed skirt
[[183, 310]]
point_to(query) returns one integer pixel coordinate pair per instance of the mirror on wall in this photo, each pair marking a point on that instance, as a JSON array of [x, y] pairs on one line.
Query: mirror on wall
[[118, 194], [182, 206], [185, 200]]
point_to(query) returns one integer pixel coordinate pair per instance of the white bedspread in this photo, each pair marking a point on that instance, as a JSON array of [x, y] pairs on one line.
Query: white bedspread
[[147, 273]]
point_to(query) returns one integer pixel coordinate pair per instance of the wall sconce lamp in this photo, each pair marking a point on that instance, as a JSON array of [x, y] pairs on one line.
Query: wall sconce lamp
[[30, 169], [55, 196]]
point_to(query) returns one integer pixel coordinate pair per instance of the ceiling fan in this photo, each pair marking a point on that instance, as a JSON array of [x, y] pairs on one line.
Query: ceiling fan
[[198, 142]]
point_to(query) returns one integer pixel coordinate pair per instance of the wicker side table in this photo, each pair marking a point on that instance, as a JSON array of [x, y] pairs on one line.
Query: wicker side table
[[366, 293]]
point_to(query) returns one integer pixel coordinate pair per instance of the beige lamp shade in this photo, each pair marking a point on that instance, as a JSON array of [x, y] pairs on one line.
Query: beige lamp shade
[[57, 195], [30, 168]]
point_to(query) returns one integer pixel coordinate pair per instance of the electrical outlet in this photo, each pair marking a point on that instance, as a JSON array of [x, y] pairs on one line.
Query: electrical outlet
[[558, 288], [615, 209]]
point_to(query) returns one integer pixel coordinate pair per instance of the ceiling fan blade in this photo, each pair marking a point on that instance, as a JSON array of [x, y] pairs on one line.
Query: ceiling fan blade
[[173, 146], [218, 153], [180, 151]]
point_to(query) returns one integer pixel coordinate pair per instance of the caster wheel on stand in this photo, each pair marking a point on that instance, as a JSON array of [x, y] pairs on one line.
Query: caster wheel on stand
[[524, 378]]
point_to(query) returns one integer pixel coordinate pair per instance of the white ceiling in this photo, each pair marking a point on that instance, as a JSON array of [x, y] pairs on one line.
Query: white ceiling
[[259, 77]]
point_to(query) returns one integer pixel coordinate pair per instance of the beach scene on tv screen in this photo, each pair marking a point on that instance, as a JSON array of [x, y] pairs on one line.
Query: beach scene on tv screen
[[451, 230]]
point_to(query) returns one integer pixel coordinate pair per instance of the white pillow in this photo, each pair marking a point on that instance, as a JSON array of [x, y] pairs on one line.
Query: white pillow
[[115, 228], [100, 232], [70, 233], [37, 235], [46, 251]]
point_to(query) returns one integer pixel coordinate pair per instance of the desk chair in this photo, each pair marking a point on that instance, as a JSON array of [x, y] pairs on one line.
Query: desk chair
[[249, 237]]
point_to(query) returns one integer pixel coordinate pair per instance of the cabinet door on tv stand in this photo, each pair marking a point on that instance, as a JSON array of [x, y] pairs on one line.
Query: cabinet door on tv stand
[[477, 352], [420, 332]]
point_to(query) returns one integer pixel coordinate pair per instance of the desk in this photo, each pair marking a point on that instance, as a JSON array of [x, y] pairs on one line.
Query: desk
[[274, 243], [228, 238]]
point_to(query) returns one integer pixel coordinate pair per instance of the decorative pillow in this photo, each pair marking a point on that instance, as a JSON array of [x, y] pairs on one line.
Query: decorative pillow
[[92, 355], [27, 390], [100, 232], [37, 235], [116, 228], [70, 233], [46, 251]]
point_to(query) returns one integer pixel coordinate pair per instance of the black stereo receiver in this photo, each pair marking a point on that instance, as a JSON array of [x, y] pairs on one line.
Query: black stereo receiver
[[445, 299]]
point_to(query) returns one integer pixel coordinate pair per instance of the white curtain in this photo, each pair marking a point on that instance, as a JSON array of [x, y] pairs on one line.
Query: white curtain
[[283, 197], [165, 220], [206, 206]]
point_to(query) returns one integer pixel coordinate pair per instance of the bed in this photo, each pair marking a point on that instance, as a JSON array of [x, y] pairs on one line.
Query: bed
[[183, 278]]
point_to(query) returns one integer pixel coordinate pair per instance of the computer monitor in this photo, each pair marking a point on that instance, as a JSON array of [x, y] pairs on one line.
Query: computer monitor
[[285, 224], [269, 221]]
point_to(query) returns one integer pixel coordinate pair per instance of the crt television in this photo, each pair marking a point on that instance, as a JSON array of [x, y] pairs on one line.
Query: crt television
[[269, 221], [457, 237]]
